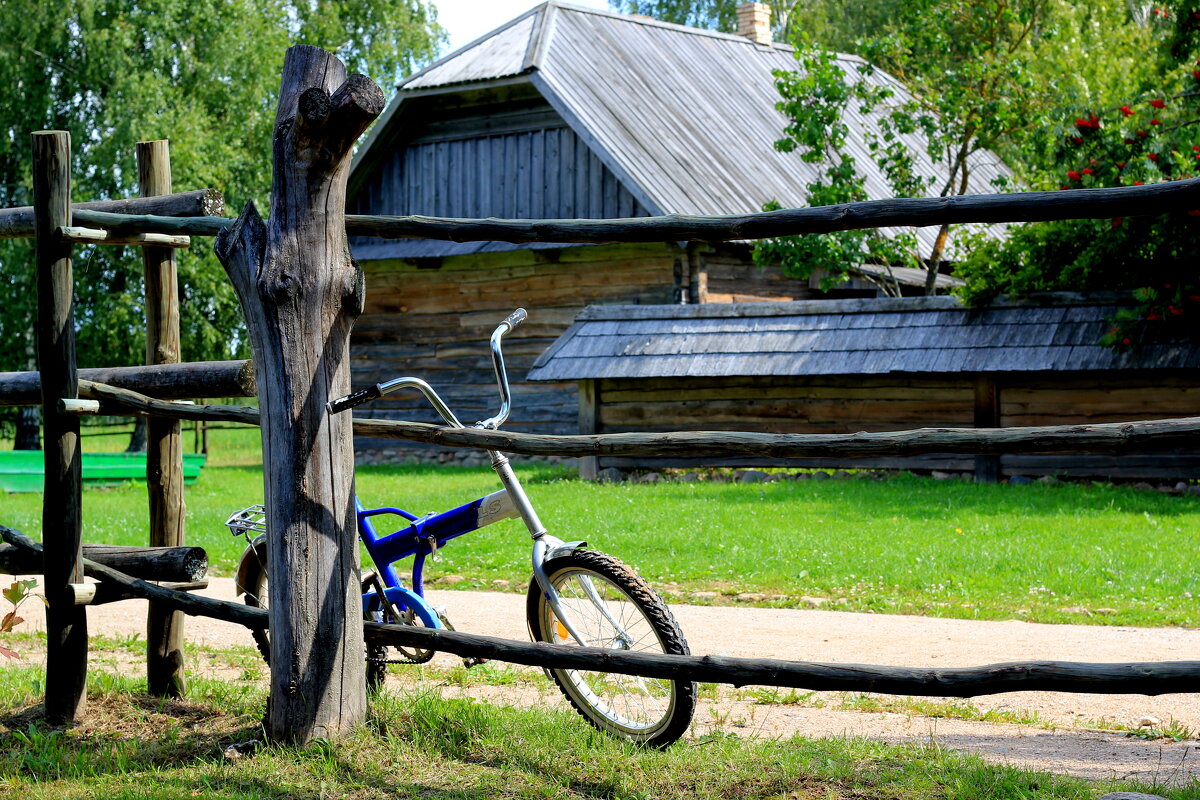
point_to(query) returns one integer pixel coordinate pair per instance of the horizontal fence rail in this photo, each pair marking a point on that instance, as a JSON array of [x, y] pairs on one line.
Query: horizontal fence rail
[[185, 381], [17, 222], [1125, 201], [1146, 677], [1111, 437]]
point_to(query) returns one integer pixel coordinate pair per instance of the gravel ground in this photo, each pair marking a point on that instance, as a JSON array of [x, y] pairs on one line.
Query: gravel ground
[[1072, 734]]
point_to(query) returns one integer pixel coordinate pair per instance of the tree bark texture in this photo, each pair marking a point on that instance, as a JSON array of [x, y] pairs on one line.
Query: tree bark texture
[[66, 623], [301, 292], [164, 442]]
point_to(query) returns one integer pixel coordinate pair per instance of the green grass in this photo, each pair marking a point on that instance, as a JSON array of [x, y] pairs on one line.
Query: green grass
[[1094, 554], [417, 744]]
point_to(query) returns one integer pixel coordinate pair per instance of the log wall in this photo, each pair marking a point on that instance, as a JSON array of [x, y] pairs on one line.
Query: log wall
[[846, 404]]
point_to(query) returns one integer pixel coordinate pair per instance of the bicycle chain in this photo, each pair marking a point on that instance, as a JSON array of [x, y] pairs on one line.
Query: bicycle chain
[[424, 657], [428, 654]]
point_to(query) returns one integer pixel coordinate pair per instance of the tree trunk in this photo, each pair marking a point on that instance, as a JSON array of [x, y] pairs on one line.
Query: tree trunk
[[137, 439], [301, 292]]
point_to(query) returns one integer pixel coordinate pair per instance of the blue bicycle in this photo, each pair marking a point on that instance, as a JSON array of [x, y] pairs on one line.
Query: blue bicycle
[[576, 596]]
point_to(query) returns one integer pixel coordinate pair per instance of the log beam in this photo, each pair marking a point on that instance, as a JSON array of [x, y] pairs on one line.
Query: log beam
[[97, 594], [196, 379], [18, 222], [1110, 437], [1124, 201], [100, 236], [1139, 677], [147, 563]]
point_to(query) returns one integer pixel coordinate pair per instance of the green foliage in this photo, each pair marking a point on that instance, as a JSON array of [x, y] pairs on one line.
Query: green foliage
[[814, 100], [203, 74], [1152, 137], [967, 66]]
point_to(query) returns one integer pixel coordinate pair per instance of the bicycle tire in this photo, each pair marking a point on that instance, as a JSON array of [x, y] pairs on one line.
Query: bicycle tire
[[605, 699], [255, 590], [256, 597]]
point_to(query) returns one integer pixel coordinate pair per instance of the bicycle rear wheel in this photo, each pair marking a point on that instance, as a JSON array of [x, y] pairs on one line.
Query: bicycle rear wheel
[[630, 616]]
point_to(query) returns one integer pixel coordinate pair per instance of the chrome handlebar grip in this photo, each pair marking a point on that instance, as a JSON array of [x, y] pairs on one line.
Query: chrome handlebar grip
[[353, 399]]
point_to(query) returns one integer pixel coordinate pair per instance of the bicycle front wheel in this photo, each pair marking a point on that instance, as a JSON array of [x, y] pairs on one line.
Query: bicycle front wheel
[[611, 606]]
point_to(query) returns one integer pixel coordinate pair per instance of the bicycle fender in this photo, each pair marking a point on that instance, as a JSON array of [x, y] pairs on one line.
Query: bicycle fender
[[252, 557], [563, 549], [402, 598]]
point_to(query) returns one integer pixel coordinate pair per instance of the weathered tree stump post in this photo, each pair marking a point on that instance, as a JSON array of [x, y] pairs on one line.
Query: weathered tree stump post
[[66, 623], [301, 292], [164, 444]]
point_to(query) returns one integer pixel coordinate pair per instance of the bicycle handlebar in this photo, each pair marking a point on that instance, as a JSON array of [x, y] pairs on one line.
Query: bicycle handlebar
[[509, 324]]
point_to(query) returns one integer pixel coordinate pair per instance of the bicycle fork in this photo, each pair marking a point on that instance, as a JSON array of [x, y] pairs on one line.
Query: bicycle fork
[[546, 547]]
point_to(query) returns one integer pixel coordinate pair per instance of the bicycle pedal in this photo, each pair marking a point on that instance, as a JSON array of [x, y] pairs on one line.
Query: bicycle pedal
[[473, 662]]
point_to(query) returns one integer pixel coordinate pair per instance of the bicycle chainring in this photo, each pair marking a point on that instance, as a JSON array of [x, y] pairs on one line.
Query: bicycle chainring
[[413, 655]]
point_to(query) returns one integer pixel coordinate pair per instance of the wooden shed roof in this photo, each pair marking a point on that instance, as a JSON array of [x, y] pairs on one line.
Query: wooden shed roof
[[844, 337], [685, 118]]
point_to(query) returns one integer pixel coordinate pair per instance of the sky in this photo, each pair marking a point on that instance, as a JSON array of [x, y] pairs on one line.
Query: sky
[[467, 20]]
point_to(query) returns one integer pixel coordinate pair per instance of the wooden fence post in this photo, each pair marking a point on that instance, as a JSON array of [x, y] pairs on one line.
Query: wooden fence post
[[589, 423], [164, 445], [301, 292], [66, 623], [987, 415]]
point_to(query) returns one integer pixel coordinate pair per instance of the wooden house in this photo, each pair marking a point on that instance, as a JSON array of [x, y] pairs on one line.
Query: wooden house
[[841, 366], [570, 112]]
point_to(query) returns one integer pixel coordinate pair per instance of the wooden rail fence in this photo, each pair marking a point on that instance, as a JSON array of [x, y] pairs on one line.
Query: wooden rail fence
[[152, 220]]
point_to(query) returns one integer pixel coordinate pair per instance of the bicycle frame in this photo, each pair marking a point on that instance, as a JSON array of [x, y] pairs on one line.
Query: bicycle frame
[[423, 536]]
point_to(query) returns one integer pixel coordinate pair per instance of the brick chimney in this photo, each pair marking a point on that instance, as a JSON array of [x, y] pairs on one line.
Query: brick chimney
[[754, 22]]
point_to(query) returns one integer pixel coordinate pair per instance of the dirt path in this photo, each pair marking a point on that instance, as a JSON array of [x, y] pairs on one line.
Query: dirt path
[[1064, 738]]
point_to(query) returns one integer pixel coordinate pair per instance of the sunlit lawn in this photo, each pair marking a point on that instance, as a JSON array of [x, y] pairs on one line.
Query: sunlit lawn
[[1057, 553]]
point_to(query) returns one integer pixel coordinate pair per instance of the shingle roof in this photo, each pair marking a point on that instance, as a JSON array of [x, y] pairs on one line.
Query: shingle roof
[[684, 117], [846, 337]]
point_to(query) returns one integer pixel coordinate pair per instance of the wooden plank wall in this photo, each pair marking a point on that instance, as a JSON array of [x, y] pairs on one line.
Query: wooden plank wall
[[845, 404], [730, 276], [1110, 397], [434, 323], [520, 161]]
